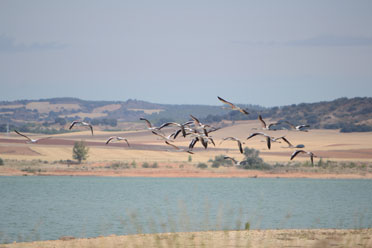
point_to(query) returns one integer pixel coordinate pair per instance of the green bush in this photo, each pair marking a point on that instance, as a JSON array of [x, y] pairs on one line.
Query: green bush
[[134, 164], [117, 165], [145, 165], [202, 165], [252, 160], [190, 158], [154, 165], [31, 170], [220, 161], [247, 226]]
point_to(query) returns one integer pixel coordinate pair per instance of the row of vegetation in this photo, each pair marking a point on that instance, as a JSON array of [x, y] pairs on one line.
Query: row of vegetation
[[251, 161]]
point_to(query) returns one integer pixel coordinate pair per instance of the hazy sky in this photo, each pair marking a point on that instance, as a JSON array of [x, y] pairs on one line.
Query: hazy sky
[[269, 53]]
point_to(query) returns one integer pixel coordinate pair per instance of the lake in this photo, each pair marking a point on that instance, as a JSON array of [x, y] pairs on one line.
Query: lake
[[43, 208]]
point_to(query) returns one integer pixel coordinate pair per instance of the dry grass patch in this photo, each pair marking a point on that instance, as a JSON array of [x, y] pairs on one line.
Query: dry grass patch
[[46, 107], [15, 151], [109, 107], [48, 153], [15, 106]]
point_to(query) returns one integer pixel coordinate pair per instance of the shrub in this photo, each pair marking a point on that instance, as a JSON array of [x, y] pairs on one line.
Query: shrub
[[202, 165], [154, 165], [247, 226], [1, 161], [190, 158], [145, 165], [117, 165], [220, 161], [31, 170], [252, 160], [134, 164]]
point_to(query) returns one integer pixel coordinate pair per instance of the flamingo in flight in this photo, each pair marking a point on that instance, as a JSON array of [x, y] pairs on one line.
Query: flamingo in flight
[[268, 138], [235, 139], [81, 123], [233, 106], [30, 140], [118, 138], [312, 155]]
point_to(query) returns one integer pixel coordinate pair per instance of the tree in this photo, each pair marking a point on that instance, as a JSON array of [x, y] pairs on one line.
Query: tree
[[60, 121], [1, 162], [80, 151], [253, 161]]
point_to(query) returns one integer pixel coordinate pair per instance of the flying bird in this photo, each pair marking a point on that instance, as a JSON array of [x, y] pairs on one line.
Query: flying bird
[[302, 151], [237, 163], [166, 138], [289, 143], [203, 139], [118, 138], [198, 124], [235, 139], [267, 127], [232, 106], [175, 134], [181, 126], [177, 148], [29, 139], [302, 128], [268, 138], [81, 123], [149, 125]]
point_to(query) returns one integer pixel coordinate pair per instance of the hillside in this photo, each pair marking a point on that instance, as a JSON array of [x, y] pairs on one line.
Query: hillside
[[349, 115], [51, 115]]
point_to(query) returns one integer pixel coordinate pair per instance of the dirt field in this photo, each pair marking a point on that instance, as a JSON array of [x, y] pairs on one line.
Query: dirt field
[[146, 147], [219, 239], [46, 107]]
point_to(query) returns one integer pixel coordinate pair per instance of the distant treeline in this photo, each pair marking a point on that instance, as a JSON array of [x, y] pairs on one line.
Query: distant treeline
[[348, 115], [349, 127], [49, 127], [31, 128]]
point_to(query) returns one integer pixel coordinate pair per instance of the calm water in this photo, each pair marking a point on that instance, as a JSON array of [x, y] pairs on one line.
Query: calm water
[[40, 208]]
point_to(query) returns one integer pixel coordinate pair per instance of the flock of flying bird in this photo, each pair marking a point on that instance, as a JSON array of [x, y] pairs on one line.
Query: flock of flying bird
[[200, 132]]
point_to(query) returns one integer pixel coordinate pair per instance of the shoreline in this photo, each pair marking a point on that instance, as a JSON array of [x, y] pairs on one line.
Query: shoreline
[[178, 173], [246, 238]]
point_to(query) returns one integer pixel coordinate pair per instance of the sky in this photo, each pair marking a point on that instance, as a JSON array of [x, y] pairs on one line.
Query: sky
[[268, 53]]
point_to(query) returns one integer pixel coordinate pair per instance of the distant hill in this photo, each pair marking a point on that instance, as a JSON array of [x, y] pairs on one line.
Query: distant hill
[[51, 115], [348, 115]]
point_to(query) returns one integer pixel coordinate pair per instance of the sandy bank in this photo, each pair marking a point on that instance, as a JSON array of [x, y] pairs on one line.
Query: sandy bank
[[253, 238], [178, 173]]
